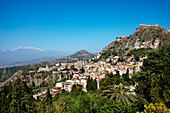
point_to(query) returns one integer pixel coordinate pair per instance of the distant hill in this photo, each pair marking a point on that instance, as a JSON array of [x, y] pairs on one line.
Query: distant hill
[[81, 55], [8, 72], [146, 37], [27, 55]]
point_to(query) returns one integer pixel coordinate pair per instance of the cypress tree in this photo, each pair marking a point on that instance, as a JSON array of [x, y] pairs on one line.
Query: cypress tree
[[95, 85], [48, 96], [89, 84], [126, 76], [82, 70], [110, 61], [74, 87], [33, 84]]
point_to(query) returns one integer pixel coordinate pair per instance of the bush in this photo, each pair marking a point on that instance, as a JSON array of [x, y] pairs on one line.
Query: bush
[[155, 108]]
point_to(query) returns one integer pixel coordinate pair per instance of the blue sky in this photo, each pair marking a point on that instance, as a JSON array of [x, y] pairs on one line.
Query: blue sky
[[72, 25]]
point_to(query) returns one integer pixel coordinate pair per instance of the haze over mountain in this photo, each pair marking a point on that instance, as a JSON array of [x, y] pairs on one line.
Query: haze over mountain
[[27, 55]]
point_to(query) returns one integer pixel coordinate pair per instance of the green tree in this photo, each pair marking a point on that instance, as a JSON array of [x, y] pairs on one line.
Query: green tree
[[48, 97], [95, 85], [109, 79], [92, 84], [71, 76], [62, 75], [89, 84], [16, 97], [118, 78], [74, 104], [33, 84], [119, 93], [155, 108], [137, 58], [82, 70], [110, 61], [153, 80], [110, 106], [74, 88], [126, 80]]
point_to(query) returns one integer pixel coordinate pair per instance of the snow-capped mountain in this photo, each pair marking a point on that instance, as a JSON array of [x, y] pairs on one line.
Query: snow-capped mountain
[[27, 55]]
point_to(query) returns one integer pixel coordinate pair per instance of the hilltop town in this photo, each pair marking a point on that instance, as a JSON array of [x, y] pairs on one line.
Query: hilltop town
[[78, 72]]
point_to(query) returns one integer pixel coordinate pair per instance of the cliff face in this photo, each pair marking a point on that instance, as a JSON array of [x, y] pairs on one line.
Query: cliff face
[[145, 36]]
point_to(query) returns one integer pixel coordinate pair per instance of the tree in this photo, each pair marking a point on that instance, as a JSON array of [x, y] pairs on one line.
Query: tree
[[153, 80], [16, 97], [74, 69], [71, 76], [82, 70], [156, 108], [110, 61], [89, 84], [110, 106], [120, 59], [137, 58], [126, 80], [119, 93], [48, 96], [74, 88], [118, 78], [95, 85], [109, 80], [33, 84], [62, 75]]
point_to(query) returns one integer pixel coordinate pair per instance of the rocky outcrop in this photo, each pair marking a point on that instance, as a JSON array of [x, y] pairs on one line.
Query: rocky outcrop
[[145, 36]]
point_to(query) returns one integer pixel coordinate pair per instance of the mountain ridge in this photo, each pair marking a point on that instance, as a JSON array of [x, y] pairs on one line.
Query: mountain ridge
[[145, 36]]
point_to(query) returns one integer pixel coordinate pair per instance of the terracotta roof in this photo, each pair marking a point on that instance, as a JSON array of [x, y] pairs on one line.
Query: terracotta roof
[[43, 96], [56, 92], [53, 88], [128, 60]]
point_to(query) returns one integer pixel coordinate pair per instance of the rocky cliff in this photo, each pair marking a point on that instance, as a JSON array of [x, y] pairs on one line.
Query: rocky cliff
[[145, 36]]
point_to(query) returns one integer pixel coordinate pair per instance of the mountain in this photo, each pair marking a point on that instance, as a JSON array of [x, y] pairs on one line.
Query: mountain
[[146, 37], [79, 55], [27, 55], [9, 73]]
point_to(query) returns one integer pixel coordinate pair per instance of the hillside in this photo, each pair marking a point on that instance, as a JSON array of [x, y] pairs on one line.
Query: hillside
[[81, 55], [149, 37], [7, 72]]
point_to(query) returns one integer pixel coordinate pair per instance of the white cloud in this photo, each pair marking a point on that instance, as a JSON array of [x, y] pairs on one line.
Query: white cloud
[[27, 47]]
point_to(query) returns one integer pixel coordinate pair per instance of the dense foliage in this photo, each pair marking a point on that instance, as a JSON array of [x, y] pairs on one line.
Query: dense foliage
[[154, 79], [91, 84], [17, 97], [139, 52], [156, 108]]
